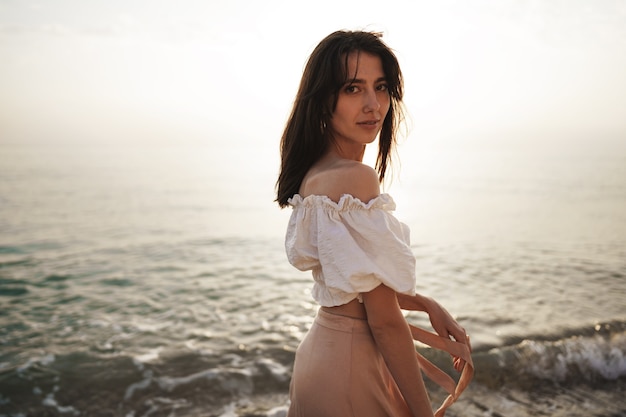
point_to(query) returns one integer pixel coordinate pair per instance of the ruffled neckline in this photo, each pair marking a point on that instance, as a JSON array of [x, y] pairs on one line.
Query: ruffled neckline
[[346, 202]]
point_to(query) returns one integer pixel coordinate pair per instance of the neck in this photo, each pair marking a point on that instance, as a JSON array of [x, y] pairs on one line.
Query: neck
[[354, 153]]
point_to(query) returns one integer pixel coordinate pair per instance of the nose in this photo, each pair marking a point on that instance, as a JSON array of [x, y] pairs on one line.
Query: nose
[[371, 102]]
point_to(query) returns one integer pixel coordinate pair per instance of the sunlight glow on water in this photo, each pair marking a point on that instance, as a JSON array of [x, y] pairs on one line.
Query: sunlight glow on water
[[137, 259]]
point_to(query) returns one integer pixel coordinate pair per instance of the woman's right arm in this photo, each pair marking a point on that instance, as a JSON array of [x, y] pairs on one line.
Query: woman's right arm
[[389, 327], [393, 338]]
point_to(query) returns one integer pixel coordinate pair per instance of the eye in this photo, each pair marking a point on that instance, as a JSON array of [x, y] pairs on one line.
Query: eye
[[351, 89], [382, 87]]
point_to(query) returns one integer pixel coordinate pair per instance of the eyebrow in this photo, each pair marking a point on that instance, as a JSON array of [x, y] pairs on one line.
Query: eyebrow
[[361, 81]]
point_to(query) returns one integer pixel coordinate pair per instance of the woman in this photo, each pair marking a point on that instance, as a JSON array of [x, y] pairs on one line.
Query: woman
[[358, 359]]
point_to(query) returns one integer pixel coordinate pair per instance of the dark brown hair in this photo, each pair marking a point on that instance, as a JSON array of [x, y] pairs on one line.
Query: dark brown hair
[[305, 138]]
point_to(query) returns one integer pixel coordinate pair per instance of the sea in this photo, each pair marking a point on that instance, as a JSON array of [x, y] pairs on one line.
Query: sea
[[150, 279]]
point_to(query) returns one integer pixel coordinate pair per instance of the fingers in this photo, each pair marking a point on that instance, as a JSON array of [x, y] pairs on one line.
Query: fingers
[[461, 336], [458, 363], [446, 326]]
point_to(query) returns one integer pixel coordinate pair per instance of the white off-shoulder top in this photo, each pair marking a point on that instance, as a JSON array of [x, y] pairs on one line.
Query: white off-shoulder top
[[351, 247]]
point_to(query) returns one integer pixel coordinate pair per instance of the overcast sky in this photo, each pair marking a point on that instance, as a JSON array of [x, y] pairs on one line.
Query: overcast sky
[[73, 70]]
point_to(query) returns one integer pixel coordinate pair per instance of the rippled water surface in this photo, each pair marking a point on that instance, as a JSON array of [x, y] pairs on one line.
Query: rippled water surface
[[157, 275]]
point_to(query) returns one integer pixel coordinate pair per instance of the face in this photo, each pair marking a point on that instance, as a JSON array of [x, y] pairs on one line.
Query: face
[[362, 104]]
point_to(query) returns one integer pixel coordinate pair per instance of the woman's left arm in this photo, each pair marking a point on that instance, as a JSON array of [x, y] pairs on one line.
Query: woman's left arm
[[442, 321], [415, 302]]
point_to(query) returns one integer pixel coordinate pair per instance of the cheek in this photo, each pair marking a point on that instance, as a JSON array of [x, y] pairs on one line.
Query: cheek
[[342, 110], [384, 106], [335, 122]]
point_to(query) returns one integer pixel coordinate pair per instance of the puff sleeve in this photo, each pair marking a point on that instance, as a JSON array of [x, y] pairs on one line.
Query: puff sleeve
[[351, 247]]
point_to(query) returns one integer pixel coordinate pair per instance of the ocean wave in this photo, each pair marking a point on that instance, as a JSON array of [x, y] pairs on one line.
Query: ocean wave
[[75, 382], [87, 383], [593, 354]]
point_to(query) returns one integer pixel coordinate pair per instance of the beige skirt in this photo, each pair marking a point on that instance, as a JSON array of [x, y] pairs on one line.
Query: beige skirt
[[339, 372]]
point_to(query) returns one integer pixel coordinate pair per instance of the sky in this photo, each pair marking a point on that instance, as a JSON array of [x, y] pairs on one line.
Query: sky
[[497, 92], [216, 71]]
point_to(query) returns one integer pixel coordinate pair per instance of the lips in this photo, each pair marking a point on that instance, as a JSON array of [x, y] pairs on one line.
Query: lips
[[369, 125]]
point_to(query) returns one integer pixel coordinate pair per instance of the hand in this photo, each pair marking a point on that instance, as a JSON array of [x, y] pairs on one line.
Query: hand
[[446, 326]]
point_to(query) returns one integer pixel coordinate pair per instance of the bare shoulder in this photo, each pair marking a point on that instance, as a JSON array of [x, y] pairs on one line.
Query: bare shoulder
[[359, 175], [342, 177]]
